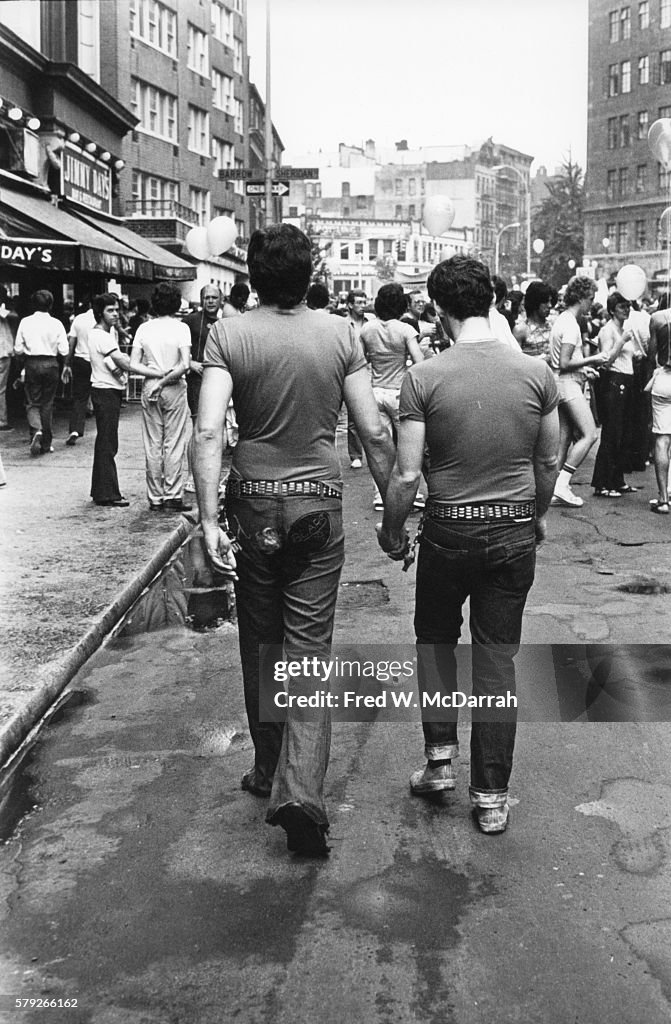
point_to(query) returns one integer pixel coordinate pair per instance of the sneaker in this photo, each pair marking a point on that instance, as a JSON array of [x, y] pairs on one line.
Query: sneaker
[[492, 819], [433, 780], [73, 437], [565, 496], [419, 502], [36, 443], [356, 463]]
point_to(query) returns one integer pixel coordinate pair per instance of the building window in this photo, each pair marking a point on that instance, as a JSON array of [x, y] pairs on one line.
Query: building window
[[611, 178], [614, 26], [197, 53], [238, 120], [412, 186], [199, 202], [623, 182], [665, 67], [642, 124], [222, 91], [643, 14], [641, 177], [664, 13], [625, 23], [361, 203], [344, 191], [345, 211], [613, 79], [387, 246], [223, 155], [612, 133], [625, 79], [238, 184], [237, 55], [199, 131], [640, 239], [372, 248], [665, 112], [156, 110], [155, 24], [412, 211], [344, 250], [88, 42], [398, 186], [663, 178], [611, 233], [643, 70], [154, 196], [398, 212], [624, 130], [622, 241], [222, 23]]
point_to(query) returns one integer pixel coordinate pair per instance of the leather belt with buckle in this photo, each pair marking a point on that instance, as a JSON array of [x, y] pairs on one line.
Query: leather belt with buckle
[[280, 489], [485, 512]]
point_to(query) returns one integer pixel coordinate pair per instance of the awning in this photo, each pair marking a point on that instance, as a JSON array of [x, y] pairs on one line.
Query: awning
[[167, 266], [62, 242]]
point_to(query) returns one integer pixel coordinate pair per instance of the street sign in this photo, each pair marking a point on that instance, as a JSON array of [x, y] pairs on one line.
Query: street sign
[[258, 188], [287, 173]]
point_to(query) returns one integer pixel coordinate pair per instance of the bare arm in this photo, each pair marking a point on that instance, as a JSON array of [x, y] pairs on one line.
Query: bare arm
[[566, 364], [545, 468], [402, 486], [377, 443], [414, 350], [215, 395]]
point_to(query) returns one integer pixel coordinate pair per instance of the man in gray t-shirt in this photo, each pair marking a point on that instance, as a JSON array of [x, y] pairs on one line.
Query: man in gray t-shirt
[[288, 370], [488, 416]]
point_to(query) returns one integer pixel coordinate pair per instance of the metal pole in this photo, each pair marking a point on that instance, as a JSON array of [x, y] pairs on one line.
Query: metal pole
[[268, 121], [528, 229]]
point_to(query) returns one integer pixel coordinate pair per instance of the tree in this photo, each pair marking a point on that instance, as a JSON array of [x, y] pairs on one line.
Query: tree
[[559, 221]]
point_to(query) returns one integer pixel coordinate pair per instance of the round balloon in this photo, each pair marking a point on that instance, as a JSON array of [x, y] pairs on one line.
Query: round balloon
[[665, 221], [221, 234], [659, 140], [438, 214], [631, 282], [538, 246], [197, 244]]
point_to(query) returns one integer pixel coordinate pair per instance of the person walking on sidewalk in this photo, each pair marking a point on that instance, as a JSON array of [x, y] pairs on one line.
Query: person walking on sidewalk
[[577, 427], [357, 301], [78, 370], [484, 518], [161, 354], [289, 369], [109, 368], [8, 321], [40, 340]]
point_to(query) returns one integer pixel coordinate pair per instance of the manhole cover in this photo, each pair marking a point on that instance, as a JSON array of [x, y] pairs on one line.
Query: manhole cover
[[644, 585], [363, 594]]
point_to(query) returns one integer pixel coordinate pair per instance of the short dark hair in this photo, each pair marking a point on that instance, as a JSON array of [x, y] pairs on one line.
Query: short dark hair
[[100, 302], [317, 296], [500, 288], [390, 302], [239, 295], [142, 306], [462, 287], [356, 293], [279, 259], [42, 300], [577, 289], [166, 299], [536, 294], [615, 299]]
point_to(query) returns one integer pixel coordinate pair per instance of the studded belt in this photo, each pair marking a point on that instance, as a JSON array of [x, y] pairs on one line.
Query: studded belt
[[516, 511], [280, 489]]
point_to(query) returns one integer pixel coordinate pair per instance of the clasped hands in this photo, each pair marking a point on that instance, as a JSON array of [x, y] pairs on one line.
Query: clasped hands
[[396, 545]]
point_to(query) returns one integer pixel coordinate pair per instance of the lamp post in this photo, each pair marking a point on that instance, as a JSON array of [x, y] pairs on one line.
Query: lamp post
[[516, 224], [527, 191]]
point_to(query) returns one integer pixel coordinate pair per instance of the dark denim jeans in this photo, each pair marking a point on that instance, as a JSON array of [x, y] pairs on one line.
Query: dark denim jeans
[[81, 391], [287, 597], [107, 409], [41, 386], [615, 410], [493, 564]]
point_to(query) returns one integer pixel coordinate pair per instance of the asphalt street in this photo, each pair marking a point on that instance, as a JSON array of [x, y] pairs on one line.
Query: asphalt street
[[143, 883]]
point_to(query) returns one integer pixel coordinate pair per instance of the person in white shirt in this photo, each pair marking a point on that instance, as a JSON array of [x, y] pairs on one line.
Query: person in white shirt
[[7, 330], [40, 340], [78, 370], [161, 354], [109, 367]]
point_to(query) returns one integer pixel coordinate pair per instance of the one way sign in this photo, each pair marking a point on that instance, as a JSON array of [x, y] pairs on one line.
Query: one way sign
[[258, 188]]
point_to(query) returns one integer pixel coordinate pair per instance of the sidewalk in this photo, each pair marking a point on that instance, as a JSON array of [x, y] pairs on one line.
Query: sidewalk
[[64, 559]]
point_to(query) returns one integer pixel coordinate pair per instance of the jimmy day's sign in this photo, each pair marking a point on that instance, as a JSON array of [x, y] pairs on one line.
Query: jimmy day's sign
[[48, 256], [86, 181]]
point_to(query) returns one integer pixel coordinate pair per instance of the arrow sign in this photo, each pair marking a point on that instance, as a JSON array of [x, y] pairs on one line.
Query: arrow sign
[[258, 188]]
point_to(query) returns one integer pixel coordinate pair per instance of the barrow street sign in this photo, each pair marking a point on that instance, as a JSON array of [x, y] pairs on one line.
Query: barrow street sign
[[258, 188], [286, 173]]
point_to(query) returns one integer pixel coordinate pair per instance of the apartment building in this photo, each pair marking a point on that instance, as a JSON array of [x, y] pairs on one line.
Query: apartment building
[[627, 189]]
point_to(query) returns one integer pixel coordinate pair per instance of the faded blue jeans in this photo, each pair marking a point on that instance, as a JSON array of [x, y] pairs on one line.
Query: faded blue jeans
[[493, 564], [287, 598]]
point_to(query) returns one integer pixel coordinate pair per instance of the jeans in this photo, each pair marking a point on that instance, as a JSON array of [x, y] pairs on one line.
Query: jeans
[[287, 598], [5, 362], [81, 389], [107, 409], [614, 410], [493, 563], [41, 386]]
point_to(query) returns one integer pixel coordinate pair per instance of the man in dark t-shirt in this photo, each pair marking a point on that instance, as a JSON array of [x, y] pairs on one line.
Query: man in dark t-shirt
[[288, 369], [488, 416]]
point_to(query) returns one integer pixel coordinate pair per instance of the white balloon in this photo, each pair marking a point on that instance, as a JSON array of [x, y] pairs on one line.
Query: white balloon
[[538, 246], [197, 244], [631, 282], [659, 140], [438, 214], [221, 234]]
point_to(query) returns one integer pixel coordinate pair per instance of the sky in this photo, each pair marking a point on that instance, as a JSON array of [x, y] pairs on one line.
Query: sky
[[434, 72]]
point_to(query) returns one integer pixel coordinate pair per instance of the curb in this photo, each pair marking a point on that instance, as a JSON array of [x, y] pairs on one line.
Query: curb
[[55, 676]]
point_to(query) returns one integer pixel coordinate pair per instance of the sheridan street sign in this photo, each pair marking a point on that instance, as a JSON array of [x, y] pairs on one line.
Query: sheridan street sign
[[286, 173]]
